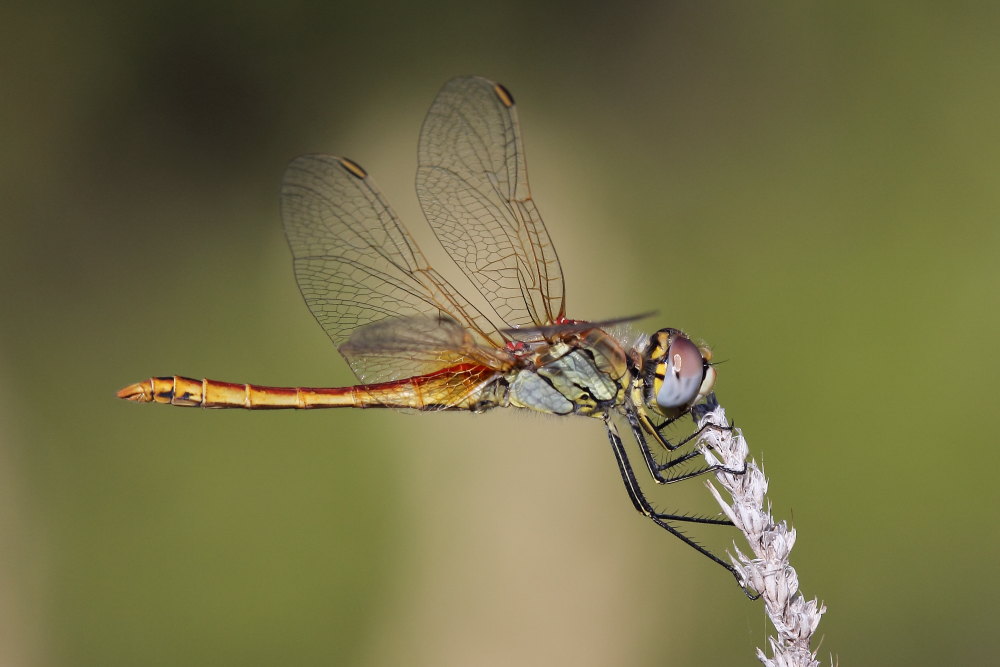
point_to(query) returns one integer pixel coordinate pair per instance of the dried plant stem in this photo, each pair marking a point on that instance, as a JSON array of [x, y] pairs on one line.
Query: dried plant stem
[[768, 571]]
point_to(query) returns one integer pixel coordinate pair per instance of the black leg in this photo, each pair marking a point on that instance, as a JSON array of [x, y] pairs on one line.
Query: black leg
[[643, 506], [656, 469], [672, 446], [696, 412], [658, 434]]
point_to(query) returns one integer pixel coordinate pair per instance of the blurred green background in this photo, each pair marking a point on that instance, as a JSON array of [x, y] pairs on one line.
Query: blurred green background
[[811, 188]]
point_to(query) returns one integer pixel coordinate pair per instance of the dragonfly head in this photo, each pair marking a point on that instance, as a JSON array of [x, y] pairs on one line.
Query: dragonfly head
[[677, 372]]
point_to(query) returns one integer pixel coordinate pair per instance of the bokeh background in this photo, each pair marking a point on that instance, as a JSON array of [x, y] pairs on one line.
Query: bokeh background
[[810, 187]]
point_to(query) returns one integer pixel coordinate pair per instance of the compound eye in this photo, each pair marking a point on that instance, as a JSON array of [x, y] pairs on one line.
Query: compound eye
[[683, 375]]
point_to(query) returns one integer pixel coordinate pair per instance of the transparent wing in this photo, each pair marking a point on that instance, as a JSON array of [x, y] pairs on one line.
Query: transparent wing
[[472, 183], [356, 264], [448, 368], [424, 344], [570, 326]]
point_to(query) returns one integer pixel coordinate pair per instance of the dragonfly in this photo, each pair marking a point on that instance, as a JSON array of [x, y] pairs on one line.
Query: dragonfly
[[414, 341]]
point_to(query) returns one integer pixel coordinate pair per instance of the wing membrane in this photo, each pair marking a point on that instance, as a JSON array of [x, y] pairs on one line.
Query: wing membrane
[[450, 369], [356, 264], [472, 183], [424, 344]]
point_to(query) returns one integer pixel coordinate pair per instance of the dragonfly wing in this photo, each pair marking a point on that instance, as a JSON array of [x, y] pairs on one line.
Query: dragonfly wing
[[472, 183], [570, 326], [438, 356], [405, 347], [355, 262]]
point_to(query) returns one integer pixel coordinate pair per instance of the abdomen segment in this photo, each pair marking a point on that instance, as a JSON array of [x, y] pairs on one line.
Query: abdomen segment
[[189, 392], [457, 387]]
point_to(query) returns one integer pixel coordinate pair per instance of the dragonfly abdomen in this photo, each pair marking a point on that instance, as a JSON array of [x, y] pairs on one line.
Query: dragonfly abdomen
[[204, 393], [463, 386]]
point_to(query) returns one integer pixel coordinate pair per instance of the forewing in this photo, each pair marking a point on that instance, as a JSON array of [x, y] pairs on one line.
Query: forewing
[[472, 183], [355, 263]]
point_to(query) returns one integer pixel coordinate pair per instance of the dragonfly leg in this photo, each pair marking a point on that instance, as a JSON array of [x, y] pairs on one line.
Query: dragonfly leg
[[696, 413], [656, 468], [643, 506], [658, 433]]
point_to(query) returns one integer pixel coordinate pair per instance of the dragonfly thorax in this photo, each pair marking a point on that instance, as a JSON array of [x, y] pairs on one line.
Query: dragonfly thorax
[[579, 372], [676, 373]]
